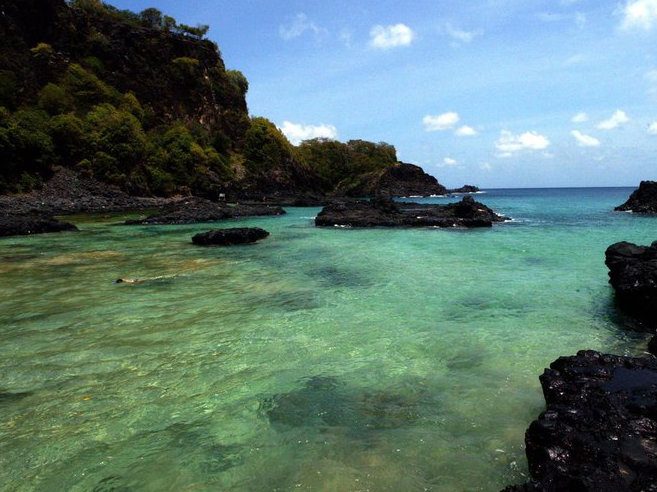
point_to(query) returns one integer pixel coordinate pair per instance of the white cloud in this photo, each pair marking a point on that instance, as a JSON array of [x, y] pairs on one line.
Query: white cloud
[[585, 140], [508, 144], [639, 14], [386, 37], [466, 131], [297, 133], [580, 118], [299, 27], [486, 166], [616, 120], [576, 59], [440, 122], [460, 34], [448, 161], [652, 128]]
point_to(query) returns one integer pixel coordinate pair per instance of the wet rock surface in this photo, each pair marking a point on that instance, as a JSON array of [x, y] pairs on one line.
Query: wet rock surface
[[192, 210], [599, 432], [384, 212], [633, 274], [643, 200], [25, 224], [230, 237]]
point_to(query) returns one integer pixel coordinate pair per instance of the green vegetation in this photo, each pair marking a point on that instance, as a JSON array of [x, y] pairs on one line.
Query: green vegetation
[[165, 119]]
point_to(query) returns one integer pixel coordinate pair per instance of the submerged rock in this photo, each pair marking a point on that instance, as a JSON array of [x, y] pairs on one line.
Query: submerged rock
[[599, 432], [643, 200], [384, 212], [194, 210], [24, 224], [633, 274], [230, 237]]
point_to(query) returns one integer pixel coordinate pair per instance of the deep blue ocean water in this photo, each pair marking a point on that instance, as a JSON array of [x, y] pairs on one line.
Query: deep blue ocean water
[[316, 360]]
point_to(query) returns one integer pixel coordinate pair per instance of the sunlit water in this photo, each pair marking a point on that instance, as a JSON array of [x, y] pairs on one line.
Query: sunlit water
[[315, 360]]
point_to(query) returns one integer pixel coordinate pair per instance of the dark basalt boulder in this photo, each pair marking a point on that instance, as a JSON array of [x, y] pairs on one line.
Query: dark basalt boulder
[[230, 237], [642, 200], [599, 432], [633, 274], [384, 212], [24, 224], [193, 210]]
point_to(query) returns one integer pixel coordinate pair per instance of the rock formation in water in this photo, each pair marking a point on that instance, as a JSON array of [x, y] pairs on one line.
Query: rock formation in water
[[192, 210], [599, 432], [230, 237], [25, 224], [633, 274], [384, 212], [643, 200], [465, 189]]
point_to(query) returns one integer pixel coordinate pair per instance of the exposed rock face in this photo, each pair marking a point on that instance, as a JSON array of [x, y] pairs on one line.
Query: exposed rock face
[[191, 210], [465, 189], [383, 212], [633, 274], [400, 180], [599, 432], [24, 224], [643, 200], [230, 237]]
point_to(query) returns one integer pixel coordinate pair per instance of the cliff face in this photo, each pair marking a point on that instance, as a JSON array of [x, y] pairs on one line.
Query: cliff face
[[174, 76], [399, 180]]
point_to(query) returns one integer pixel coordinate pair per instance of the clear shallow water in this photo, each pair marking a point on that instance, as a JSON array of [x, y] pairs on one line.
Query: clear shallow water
[[316, 360]]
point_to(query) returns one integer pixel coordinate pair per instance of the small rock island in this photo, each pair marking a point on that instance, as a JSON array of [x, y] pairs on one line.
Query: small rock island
[[643, 200], [384, 212]]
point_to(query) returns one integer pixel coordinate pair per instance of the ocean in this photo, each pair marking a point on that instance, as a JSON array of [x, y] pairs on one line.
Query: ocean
[[320, 359]]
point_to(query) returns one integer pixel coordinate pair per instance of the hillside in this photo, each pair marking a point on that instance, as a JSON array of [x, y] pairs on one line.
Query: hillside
[[138, 101]]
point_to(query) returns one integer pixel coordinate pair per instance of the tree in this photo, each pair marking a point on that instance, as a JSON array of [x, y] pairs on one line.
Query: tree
[[151, 17], [265, 146]]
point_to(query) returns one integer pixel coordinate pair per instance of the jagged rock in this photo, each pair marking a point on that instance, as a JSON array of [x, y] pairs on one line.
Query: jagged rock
[[633, 274], [599, 432], [193, 210], [384, 212], [400, 180], [465, 189], [24, 224], [230, 237], [642, 200]]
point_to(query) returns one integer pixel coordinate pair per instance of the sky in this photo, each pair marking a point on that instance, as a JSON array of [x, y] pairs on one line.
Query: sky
[[495, 93]]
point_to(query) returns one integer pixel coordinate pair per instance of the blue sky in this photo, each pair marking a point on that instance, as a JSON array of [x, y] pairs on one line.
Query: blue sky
[[497, 93]]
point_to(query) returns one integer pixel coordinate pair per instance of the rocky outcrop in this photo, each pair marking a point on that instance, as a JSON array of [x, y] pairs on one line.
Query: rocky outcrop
[[465, 189], [384, 212], [24, 224], [399, 180], [643, 200], [599, 432], [230, 237], [633, 274], [191, 210]]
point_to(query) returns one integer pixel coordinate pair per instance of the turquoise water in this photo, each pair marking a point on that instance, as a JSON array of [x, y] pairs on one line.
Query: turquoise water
[[316, 360]]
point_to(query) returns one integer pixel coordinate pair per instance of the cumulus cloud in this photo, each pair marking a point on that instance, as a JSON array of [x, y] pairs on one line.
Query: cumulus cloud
[[296, 133], [639, 14], [386, 37], [580, 118], [466, 131], [616, 120], [441, 122], [585, 140], [299, 27], [448, 161], [461, 35], [508, 144], [652, 128]]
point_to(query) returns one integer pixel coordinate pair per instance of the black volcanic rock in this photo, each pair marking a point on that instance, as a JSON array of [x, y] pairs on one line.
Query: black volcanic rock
[[230, 237], [633, 274], [599, 432], [384, 212], [24, 224], [193, 210], [642, 200], [465, 189], [399, 180]]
